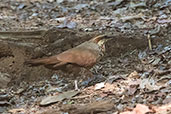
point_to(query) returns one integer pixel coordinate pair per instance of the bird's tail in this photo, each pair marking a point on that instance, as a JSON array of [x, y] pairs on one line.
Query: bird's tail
[[43, 61]]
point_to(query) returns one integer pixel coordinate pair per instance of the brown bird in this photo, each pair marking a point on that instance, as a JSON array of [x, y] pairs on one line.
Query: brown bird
[[84, 55]]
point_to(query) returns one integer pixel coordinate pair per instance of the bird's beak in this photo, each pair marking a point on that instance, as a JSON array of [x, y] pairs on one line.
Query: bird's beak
[[103, 38]]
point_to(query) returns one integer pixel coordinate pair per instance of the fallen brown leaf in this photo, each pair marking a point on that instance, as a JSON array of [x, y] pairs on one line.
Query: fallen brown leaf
[[139, 109]]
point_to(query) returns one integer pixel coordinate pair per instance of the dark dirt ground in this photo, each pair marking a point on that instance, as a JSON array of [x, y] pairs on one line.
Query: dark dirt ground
[[130, 74]]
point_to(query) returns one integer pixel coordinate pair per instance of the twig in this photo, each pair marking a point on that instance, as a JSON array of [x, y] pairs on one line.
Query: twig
[[149, 41]]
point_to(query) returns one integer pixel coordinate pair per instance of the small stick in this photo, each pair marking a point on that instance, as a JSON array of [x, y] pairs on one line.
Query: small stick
[[76, 85], [149, 42]]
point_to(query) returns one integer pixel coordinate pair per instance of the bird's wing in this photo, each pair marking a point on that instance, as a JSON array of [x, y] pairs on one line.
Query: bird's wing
[[81, 57]]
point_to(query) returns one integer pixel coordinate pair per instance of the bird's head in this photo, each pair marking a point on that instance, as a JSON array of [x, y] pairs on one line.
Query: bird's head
[[101, 40]]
